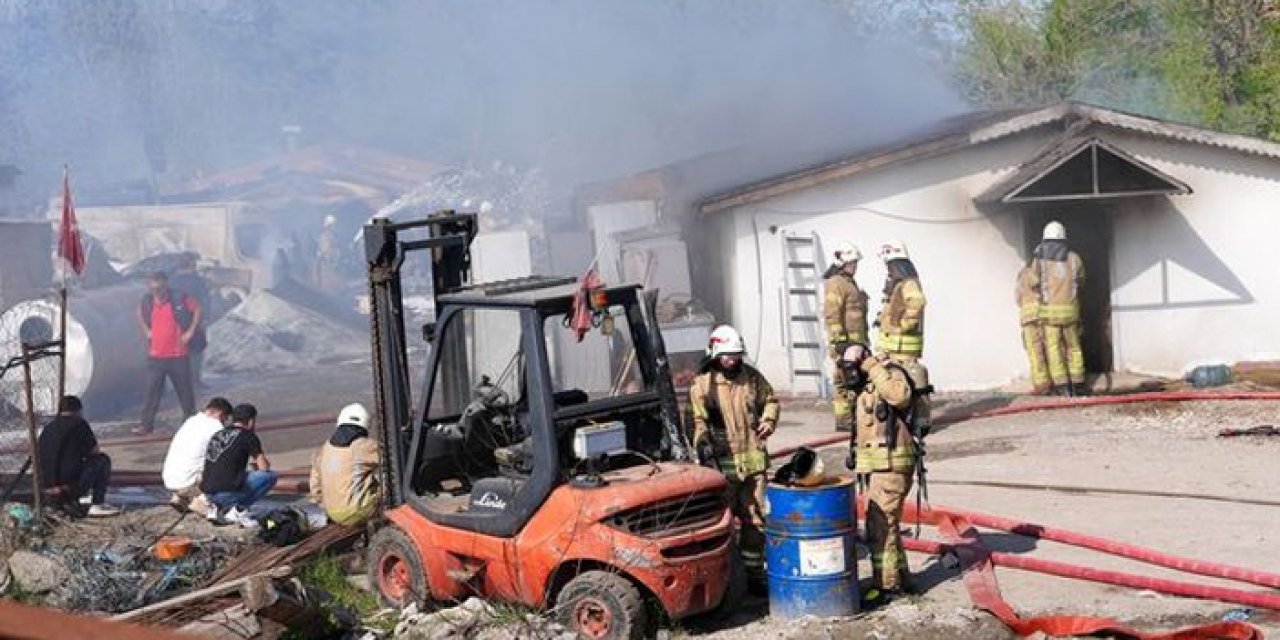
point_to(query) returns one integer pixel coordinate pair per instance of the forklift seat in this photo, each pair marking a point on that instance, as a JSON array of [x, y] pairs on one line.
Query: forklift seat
[[494, 495]]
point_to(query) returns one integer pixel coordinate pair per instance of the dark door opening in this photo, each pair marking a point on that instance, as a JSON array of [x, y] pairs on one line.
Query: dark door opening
[[1089, 234]]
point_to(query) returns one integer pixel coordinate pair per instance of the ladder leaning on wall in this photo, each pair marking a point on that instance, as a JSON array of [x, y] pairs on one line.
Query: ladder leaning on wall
[[802, 313]]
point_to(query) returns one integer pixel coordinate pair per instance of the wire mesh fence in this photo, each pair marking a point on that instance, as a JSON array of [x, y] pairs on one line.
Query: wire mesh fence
[[40, 374]]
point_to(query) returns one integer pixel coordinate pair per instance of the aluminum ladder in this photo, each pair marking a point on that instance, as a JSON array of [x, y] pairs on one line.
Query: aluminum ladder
[[802, 314]]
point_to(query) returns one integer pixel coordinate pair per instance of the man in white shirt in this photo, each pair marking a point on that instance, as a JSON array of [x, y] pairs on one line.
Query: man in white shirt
[[184, 463]]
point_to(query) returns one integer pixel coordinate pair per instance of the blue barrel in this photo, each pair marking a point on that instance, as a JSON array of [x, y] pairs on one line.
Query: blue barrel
[[809, 550]]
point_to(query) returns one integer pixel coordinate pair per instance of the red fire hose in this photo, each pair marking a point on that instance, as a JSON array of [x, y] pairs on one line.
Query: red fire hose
[[1060, 403], [979, 576], [1134, 552]]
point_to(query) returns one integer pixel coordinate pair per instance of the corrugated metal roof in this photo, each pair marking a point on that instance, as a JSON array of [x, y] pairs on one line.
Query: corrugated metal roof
[[976, 128]]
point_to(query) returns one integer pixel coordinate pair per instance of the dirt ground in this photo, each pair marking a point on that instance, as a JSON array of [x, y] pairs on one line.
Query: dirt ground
[[1162, 448]]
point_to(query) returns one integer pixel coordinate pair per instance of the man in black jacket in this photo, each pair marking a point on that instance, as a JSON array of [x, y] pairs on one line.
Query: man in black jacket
[[71, 464]]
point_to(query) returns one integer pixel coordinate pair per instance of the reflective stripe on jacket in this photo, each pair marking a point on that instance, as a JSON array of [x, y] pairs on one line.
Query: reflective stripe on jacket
[[1059, 288], [887, 384], [344, 480], [1027, 294], [726, 412], [845, 311], [902, 319]]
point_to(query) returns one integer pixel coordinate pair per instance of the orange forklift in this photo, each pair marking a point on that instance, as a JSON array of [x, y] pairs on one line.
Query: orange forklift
[[505, 479]]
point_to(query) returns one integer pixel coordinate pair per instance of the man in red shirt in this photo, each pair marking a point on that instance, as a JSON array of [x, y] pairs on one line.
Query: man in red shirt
[[168, 321]]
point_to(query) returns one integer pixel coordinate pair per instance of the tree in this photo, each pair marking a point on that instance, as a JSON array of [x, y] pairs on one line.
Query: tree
[[1209, 62]]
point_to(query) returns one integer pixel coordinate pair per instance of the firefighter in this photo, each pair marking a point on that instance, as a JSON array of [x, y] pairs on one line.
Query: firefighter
[[1060, 274], [901, 321], [734, 413], [1028, 297], [845, 312], [885, 454]]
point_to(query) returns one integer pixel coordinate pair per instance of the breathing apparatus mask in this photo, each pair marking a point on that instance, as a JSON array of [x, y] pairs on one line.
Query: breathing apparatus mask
[[851, 366]]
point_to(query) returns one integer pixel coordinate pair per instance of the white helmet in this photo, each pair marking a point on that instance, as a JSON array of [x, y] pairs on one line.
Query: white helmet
[[847, 252], [355, 414], [330, 220], [725, 341], [893, 250], [1054, 231]]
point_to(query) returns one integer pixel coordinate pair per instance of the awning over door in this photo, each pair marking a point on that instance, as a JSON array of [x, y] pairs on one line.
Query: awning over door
[[1083, 169]]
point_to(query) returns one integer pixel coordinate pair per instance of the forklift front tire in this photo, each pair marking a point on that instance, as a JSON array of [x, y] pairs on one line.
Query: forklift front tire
[[395, 569], [602, 605]]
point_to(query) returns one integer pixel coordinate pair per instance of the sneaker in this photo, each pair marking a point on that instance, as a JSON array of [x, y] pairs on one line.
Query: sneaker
[[103, 510], [199, 504], [240, 516]]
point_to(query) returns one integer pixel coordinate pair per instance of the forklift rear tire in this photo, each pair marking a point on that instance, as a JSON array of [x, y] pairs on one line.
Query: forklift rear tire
[[601, 605], [395, 569]]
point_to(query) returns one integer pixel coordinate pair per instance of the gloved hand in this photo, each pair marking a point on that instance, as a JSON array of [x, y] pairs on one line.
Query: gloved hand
[[706, 454]]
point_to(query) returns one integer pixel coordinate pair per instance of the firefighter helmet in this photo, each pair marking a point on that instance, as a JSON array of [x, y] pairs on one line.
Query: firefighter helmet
[[893, 250], [1054, 231], [725, 341], [847, 252], [355, 414]]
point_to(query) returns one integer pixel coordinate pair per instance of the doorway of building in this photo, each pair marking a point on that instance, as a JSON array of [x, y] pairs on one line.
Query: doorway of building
[[1089, 234]]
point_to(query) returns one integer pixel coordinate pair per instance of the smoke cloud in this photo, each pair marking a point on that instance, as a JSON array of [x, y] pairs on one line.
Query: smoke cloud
[[161, 91]]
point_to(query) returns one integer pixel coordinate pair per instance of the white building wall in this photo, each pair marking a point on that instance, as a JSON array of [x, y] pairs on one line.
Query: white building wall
[[1194, 276], [967, 259]]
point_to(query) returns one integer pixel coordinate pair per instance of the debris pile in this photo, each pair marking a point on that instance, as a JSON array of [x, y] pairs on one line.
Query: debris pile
[[76, 569], [267, 333], [477, 619]]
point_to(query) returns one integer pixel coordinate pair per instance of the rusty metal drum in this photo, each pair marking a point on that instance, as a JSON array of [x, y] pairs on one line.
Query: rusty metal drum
[[809, 549]]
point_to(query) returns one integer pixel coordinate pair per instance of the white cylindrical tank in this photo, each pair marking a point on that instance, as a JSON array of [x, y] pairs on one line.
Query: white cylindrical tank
[[106, 355]]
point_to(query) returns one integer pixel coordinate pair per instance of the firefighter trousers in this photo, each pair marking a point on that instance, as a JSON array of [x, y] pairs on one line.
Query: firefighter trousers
[[840, 402], [746, 501], [1033, 343], [1066, 356], [886, 495]]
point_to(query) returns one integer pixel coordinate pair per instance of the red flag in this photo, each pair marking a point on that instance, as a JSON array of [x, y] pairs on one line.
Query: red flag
[[69, 247]]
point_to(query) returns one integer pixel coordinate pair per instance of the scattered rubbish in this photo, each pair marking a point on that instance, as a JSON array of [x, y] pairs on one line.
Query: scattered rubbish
[[1210, 375], [37, 574], [1238, 615], [476, 618], [172, 548], [20, 514], [1260, 430]]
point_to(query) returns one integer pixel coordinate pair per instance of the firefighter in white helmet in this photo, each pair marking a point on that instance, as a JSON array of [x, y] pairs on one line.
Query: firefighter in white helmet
[[845, 316], [1059, 274], [734, 413], [344, 473], [901, 323]]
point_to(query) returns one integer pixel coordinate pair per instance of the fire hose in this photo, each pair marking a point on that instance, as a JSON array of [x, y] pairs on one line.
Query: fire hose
[[1062, 403], [978, 564]]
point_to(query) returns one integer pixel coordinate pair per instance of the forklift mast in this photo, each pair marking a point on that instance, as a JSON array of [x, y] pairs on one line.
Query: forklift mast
[[448, 237]]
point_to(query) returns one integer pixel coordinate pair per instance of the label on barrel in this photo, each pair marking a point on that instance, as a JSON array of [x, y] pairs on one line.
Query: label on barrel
[[822, 557]]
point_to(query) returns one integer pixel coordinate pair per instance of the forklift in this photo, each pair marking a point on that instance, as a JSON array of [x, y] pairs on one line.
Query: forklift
[[504, 481]]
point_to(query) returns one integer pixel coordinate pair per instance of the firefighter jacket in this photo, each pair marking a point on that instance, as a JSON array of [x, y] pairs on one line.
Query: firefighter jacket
[[726, 413], [1027, 294], [845, 310], [882, 439], [901, 319], [344, 477], [1059, 274]]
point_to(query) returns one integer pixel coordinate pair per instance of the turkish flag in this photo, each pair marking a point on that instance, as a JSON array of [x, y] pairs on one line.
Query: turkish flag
[[69, 247]]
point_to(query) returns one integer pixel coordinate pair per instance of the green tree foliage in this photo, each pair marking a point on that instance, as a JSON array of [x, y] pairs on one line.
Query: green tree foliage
[[1210, 62]]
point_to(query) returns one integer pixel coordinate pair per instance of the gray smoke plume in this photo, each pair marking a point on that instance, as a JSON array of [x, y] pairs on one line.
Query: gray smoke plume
[[160, 91]]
